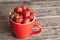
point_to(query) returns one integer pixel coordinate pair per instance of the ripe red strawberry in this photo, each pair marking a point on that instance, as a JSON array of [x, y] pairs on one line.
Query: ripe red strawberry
[[26, 13], [19, 19], [12, 16], [31, 17], [31, 11], [20, 13], [31, 14], [24, 7], [18, 9], [26, 20]]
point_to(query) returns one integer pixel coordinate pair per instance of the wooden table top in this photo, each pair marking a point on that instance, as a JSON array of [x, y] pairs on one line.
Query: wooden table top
[[47, 13]]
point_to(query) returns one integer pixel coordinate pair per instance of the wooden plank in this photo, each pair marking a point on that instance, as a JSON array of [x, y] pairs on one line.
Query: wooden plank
[[40, 8], [38, 13], [49, 21]]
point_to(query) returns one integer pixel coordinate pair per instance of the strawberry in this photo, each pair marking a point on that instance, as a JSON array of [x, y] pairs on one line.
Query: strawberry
[[12, 16], [26, 20], [31, 17], [20, 13], [24, 7], [18, 9], [30, 10], [19, 19], [26, 13]]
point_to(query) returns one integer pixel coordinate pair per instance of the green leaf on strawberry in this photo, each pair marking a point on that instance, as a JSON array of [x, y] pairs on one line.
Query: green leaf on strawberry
[[14, 12], [12, 16], [18, 18], [16, 15]]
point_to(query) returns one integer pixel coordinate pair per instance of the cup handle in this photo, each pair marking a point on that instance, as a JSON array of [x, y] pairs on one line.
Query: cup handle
[[40, 28]]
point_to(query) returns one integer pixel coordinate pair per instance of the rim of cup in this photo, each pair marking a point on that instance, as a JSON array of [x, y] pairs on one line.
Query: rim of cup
[[19, 23]]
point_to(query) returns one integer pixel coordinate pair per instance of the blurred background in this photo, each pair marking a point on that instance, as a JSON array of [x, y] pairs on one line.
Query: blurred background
[[47, 13]]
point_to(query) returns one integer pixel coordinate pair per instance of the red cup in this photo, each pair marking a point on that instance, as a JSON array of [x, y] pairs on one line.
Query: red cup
[[25, 30]]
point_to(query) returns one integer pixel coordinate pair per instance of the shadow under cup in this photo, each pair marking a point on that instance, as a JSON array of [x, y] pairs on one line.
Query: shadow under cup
[[25, 30]]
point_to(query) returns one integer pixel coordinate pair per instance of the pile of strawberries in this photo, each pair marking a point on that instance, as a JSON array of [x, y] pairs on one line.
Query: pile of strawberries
[[22, 14]]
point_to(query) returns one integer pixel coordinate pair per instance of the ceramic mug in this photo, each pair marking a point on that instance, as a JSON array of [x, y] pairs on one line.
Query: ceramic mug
[[25, 30]]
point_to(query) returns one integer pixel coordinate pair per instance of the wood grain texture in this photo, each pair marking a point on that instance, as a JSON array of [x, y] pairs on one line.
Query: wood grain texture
[[47, 13], [40, 8]]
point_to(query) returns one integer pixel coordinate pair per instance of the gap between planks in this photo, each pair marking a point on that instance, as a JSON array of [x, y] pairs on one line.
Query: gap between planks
[[49, 27], [48, 17]]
